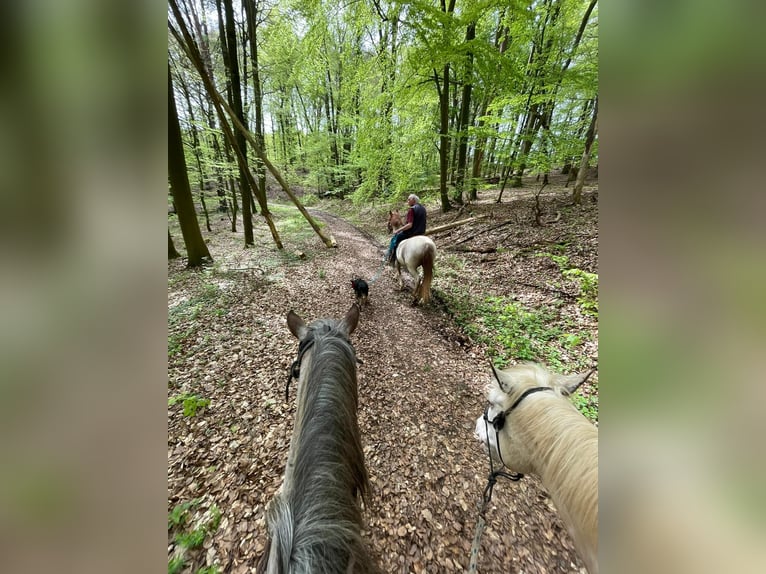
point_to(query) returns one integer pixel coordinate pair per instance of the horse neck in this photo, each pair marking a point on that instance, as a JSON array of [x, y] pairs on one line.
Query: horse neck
[[320, 519], [562, 449], [325, 451]]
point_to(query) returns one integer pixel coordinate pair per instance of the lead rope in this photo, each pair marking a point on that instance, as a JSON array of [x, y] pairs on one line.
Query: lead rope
[[497, 423], [380, 271], [487, 497]]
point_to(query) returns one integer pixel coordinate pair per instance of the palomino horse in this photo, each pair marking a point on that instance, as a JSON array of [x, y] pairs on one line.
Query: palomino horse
[[418, 251], [315, 521], [540, 432]]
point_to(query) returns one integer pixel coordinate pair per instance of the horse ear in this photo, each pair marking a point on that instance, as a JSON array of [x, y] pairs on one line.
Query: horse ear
[[296, 325], [568, 384], [350, 320], [503, 385]]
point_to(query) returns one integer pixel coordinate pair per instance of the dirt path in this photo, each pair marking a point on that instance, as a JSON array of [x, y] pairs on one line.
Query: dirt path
[[420, 393]]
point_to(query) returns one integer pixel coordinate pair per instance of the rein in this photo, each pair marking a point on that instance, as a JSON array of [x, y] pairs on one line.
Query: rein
[[497, 423], [380, 270]]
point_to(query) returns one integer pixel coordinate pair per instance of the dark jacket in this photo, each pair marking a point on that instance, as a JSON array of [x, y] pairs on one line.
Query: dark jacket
[[418, 221]]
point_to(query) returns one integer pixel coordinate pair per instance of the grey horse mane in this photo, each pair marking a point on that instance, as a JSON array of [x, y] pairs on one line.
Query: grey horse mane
[[315, 524]]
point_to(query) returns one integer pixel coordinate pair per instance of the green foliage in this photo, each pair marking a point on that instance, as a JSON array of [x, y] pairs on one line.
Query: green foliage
[[587, 405], [176, 564], [190, 539], [509, 329], [355, 114], [191, 403], [309, 199], [588, 298], [561, 260], [588, 282], [195, 537], [180, 513]]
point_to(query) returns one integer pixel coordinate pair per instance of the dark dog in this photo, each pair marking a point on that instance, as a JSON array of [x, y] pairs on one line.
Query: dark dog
[[362, 290]]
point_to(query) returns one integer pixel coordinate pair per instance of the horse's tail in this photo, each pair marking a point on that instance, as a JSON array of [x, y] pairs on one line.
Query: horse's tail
[[428, 274], [280, 523]]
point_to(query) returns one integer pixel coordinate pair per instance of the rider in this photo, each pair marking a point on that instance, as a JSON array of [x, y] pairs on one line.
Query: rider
[[415, 224]]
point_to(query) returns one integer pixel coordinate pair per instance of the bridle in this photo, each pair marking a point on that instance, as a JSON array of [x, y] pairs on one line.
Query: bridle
[[305, 344], [497, 423], [295, 369]]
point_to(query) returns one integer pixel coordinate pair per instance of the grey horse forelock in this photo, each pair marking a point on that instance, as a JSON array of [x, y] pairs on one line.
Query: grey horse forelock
[[317, 522]]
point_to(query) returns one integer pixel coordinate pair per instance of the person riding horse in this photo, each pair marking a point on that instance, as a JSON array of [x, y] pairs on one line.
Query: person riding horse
[[415, 224]]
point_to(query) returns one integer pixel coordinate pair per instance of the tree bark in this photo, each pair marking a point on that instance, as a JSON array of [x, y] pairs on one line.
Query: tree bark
[[465, 107], [187, 43], [448, 226], [251, 12], [196, 249], [444, 138], [231, 60], [589, 139]]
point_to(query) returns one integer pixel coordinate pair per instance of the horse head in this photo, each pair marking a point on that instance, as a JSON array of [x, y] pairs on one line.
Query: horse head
[[394, 220], [530, 427]]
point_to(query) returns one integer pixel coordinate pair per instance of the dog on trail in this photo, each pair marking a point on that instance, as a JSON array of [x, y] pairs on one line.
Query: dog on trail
[[362, 290]]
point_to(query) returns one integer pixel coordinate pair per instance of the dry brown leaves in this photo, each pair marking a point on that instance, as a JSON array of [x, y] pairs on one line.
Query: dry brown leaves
[[421, 388]]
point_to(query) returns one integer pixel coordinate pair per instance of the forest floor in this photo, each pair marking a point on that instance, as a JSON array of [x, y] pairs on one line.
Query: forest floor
[[502, 295]]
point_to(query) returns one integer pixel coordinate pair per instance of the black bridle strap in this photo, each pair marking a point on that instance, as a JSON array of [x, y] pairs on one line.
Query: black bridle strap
[[524, 395], [295, 368], [498, 423]]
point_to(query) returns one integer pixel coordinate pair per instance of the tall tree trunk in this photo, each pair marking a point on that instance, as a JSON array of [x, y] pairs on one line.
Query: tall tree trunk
[[251, 11], [478, 152], [444, 141], [388, 41], [444, 137], [187, 43], [586, 111], [231, 61], [196, 149], [589, 139], [535, 118], [465, 108], [196, 249]]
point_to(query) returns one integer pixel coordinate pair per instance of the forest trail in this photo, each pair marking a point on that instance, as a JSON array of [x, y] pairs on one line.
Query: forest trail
[[420, 387]]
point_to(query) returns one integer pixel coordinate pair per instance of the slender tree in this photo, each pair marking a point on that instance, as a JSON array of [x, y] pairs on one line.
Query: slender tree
[[196, 249], [465, 106], [589, 139], [231, 60], [251, 12]]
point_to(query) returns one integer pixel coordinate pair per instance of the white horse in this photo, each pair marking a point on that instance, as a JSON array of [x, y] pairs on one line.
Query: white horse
[[542, 433], [418, 251]]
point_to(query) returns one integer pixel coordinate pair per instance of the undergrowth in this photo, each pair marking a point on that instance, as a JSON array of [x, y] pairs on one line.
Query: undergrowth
[[208, 299], [190, 538], [512, 332], [588, 282]]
